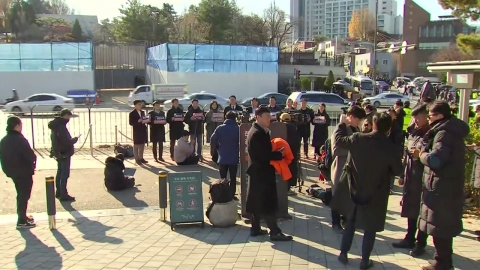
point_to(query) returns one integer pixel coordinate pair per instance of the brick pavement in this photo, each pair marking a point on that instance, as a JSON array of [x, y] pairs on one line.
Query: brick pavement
[[133, 240]]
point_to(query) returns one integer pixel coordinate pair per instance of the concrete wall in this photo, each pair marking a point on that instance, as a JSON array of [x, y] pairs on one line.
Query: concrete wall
[[28, 83], [242, 85], [383, 68]]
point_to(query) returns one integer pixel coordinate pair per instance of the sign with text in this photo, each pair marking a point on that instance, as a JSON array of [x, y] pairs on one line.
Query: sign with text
[[217, 117], [186, 200]]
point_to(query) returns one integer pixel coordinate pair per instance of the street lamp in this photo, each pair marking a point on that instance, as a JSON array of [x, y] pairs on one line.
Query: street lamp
[[375, 41]]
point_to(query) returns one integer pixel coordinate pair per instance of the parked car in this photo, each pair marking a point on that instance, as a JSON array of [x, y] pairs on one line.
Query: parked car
[[386, 99], [40, 103], [203, 98], [264, 99], [333, 102], [384, 87]]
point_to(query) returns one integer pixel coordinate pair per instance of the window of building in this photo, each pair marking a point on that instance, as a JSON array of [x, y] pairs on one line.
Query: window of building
[[384, 62], [439, 31], [431, 31]]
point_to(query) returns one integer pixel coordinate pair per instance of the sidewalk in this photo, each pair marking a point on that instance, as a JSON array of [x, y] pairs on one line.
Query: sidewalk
[[126, 239]]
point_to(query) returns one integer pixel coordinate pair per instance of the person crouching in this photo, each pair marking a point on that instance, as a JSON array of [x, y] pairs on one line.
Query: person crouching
[[115, 180], [183, 153]]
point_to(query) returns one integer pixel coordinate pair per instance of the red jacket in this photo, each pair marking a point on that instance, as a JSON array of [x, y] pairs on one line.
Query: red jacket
[[281, 166]]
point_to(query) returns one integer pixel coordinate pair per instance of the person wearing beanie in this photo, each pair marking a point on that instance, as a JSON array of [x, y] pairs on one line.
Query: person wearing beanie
[[18, 162]]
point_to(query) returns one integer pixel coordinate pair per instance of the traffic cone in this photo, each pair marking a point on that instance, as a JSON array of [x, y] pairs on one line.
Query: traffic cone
[[97, 99], [87, 101]]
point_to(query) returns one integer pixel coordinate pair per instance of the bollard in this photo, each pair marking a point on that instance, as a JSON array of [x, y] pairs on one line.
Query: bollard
[[51, 209], [162, 193]]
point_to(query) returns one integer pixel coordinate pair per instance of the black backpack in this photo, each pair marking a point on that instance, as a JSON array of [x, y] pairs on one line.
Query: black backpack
[[219, 193], [126, 150]]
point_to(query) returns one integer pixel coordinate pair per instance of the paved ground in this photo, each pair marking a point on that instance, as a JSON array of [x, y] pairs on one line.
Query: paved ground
[[138, 240], [86, 184]]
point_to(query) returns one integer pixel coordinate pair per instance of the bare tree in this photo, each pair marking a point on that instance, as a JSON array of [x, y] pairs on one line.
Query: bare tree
[[452, 53], [278, 27], [61, 7], [188, 29]]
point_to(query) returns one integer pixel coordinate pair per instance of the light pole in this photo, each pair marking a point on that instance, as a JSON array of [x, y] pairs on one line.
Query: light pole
[[375, 42]]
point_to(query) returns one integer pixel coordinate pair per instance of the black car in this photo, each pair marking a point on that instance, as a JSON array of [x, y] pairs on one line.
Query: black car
[[264, 99]]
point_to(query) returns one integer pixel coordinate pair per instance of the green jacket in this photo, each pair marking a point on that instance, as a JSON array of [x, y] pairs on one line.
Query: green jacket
[[408, 118]]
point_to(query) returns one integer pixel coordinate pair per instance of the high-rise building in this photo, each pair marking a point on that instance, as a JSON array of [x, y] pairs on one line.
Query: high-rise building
[[330, 18]]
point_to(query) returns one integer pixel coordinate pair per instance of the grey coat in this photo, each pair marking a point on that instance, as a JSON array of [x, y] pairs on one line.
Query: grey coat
[[339, 154], [412, 174], [443, 155], [367, 188]]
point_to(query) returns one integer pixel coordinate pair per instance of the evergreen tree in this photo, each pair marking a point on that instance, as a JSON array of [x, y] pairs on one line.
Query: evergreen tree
[[330, 80], [77, 31]]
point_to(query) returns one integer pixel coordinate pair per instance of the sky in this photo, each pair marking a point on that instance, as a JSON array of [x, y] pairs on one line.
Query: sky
[[109, 8]]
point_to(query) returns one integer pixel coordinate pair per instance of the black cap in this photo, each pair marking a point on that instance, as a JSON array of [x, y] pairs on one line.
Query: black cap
[[185, 133], [65, 112]]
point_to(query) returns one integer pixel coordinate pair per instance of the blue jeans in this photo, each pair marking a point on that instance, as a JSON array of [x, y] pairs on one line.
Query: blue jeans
[[347, 239], [63, 173], [198, 142]]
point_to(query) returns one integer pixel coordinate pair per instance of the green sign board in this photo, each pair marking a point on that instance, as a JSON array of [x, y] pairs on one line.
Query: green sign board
[[186, 200]]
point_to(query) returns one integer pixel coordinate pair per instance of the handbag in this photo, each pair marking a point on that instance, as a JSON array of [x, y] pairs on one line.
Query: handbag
[[126, 150]]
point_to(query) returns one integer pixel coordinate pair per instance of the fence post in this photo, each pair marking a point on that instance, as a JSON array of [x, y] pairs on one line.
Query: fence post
[[90, 129], [51, 209], [162, 193], [116, 135], [31, 123]]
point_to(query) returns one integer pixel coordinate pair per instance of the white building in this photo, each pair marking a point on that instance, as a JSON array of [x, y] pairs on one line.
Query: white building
[[330, 18]]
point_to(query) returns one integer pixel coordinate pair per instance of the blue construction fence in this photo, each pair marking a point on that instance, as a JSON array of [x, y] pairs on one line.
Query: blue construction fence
[[46, 57], [213, 58]]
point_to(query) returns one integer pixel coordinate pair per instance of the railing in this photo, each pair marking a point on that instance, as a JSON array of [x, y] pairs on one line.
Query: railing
[[97, 126]]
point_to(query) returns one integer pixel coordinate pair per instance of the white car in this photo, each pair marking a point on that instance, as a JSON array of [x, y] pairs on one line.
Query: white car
[[386, 99], [333, 102], [204, 99], [40, 103]]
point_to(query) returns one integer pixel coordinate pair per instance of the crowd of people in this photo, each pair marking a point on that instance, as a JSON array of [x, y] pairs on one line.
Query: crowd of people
[[362, 158]]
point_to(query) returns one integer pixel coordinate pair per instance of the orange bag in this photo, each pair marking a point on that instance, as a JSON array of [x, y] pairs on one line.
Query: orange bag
[[281, 166]]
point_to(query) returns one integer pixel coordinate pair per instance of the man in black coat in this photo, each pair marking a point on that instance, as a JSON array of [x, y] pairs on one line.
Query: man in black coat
[[157, 131], [62, 150], [139, 120], [304, 129], [262, 201], [175, 120], [274, 108], [115, 180], [18, 162], [232, 107], [195, 118], [293, 141], [411, 179], [443, 154], [363, 189]]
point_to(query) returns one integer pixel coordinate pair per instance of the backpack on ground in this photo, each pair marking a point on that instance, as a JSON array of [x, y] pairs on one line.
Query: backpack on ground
[[125, 149], [219, 193]]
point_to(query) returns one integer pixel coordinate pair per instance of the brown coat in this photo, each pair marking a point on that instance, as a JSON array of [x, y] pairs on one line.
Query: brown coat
[[368, 187]]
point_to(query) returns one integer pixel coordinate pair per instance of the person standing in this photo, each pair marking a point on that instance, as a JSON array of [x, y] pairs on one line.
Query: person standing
[[411, 179], [18, 163], [362, 191], [262, 201], [354, 116], [157, 131], [290, 108], [304, 128], [294, 141], [321, 121], [213, 118], [226, 139], [62, 150], [139, 120], [397, 138], [274, 108], [443, 154], [233, 106], [175, 120], [195, 118]]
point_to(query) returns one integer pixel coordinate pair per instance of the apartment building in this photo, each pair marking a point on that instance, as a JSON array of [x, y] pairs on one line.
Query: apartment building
[[330, 18]]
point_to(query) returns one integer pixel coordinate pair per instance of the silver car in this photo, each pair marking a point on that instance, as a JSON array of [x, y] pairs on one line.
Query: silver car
[[386, 99]]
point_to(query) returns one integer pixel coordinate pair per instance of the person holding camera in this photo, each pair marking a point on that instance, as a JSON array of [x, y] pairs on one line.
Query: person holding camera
[[184, 152], [349, 124], [304, 127]]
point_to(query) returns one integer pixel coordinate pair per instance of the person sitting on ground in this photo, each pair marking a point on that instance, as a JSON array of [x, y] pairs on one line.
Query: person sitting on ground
[[183, 153], [115, 179]]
